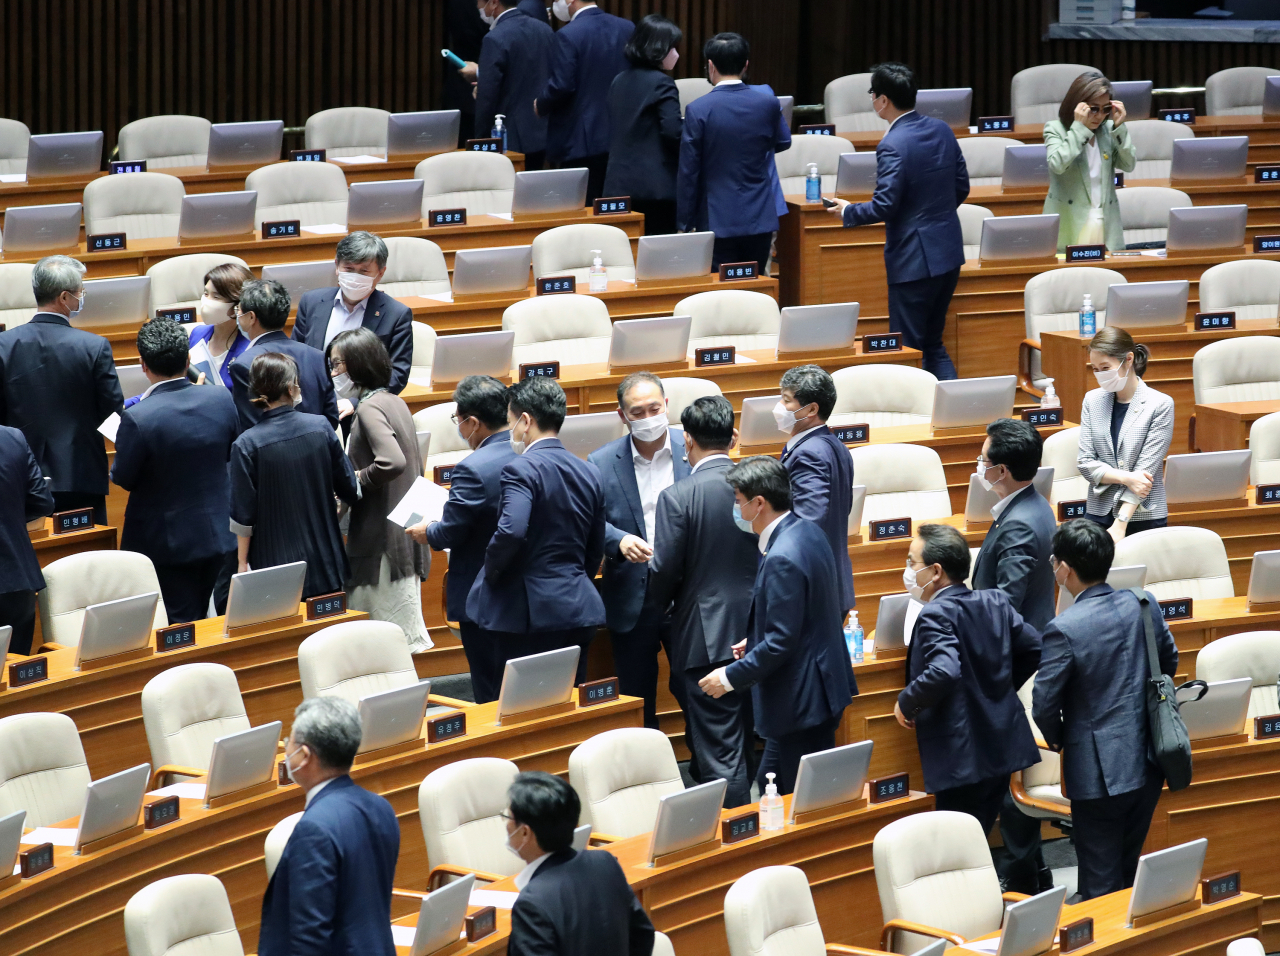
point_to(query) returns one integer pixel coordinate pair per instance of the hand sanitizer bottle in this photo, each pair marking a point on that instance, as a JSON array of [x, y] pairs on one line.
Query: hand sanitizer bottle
[[598, 276], [500, 130], [813, 184], [1050, 398], [1088, 318], [770, 806], [859, 644]]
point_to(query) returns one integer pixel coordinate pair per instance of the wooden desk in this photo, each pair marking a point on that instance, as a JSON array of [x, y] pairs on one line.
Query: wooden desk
[[1225, 425], [50, 547], [494, 944]]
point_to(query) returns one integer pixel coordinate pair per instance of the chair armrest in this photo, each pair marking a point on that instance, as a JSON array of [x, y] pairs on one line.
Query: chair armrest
[[448, 702], [602, 839], [1022, 798], [839, 949], [173, 769], [1024, 367], [906, 926], [441, 870], [51, 646], [407, 894], [1014, 897]]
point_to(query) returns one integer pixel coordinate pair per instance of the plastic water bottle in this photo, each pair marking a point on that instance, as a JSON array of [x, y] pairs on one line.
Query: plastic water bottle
[[500, 130], [813, 184], [859, 643], [770, 806], [1050, 398], [598, 276], [1088, 318]]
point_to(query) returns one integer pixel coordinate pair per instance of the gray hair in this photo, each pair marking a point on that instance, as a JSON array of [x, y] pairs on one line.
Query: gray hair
[[330, 726], [357, 247], [54, 275]]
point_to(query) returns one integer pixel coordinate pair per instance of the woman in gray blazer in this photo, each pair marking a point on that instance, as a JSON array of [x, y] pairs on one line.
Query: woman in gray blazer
[[1125, 431]]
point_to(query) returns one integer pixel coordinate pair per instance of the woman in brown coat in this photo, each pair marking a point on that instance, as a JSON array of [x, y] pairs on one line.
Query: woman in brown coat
[[387, 567]]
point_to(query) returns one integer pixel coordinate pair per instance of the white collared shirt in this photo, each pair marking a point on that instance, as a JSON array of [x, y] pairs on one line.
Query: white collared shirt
[[499, 17], [703, 461], [729, 83], [795, 438], [311, 794], [896, 118], [254, 341], [767, 533], [525, 875], [536, 440], [997, 509], [652, 478], [342, 319], [571, 19], [152, 387]]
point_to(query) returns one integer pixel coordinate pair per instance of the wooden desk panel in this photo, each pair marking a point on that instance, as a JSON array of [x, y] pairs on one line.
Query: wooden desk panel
[[50, 547], [1225, 425]]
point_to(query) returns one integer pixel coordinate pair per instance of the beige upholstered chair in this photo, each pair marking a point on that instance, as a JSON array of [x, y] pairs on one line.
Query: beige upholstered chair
[[1249, 946], [1236, 91], [1181, 561], [447, 446], [567, 250], [1264, 446], [620, 775], [17, 299], [141, 205], [1037, 790], [480, 182], [883, 396], [178, 282], [793, 163], [424, 351], [971, 219], [42, 768], [274, 845], [1153, 143], [737, 317], [573, 329], [770, 912], [181, 916], [901, 480], [847, 104], [1237, 370], [682, 392], [414, 267], [984, 158], [1037, 92], [662, 945], [1144, 210], [92, 577], [1059, 453], [355, 658], [460, 807], [1051, 303], [1248, 287], [184, 710], [348, 131], [690, 88], [14, 138], [313, 193], [165, 141], [1254, 654]]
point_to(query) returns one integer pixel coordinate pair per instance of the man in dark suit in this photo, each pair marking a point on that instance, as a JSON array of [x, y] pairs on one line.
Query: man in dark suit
[[57, 385], [634, 471], [970, 651], [706, 565], [818, 464], [794, 657], [571, 902], [172, 450], [26, 499], [515, 58], [357, 303], [575, 100], [261, 314], [536, 586], [1090, 703], [728, 182], [330, 894], [464, 30], [921, 179], [471, 517]]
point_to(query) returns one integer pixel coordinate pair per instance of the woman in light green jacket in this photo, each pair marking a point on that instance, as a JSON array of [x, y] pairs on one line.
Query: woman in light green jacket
[[1087, 143]]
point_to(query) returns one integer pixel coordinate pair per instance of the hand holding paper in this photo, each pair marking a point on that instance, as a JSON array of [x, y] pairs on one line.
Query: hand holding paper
[[424, 503]]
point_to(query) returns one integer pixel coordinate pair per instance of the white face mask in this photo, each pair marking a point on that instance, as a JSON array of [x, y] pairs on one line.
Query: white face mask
[[649, 429], [909, 582], [213, 312], [669, 61], [343, 385], [517, 446], [981, 472], [79, 308], [487, 18], [785, 418], [561, 10], [297, 399], [740, 521], [515, 850], [354, 285], [288, 769], [1111, 380]]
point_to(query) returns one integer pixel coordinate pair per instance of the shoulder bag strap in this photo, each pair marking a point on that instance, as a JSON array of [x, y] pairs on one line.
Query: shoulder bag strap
[[1153, 655]]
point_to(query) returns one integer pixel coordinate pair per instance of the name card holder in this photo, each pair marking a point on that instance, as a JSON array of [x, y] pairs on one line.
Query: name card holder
[[835, 810], [555, 285], [715, 355], [235, 796], [1224, 886], [1119, 180], [160, 812], [1087, 253], [442, 474], [1214, 321], [995, 124], [1184, 115], [738, 271], [105, 241], [32, 670], [446, 217], [1075, 508], [126, 166], [852, 434], [1043, 417], [81, 519], [183, 316], [483, 922], [539, 370], [282, 229], [598, 691], [1266, 243], [1266, 728], [1075, 935], [885, 789], [888, 529], [307, 156], [326, 605], [446, 727], [484, 144], [1266, 174], [392, 750], [1177, 609], [741, 827], [888, 342], [36, 860], [612, 206], [279, 623], [818, 129], [175, 637], [552, 710]]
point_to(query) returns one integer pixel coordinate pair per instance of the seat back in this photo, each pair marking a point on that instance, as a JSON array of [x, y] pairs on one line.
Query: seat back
[[1248, 287], [662, 945], [1236, 91], [619, 776], [460, 807], [424, 351], [901, 480], [178, 282], [274, 845], [355, 658], [1181, 561], [186, 708], [1051, 303], [1037, 92], [14, 139], [1144, 210], [847, 104], [42, 768], [1252, 654], [1264, 449], [1060, 452], [313, 193], [165, 141], [414, 267], [770, 912], [1153, 144], [141, 205], [883, 396], [1237, 370], [567, 250], [971, 219], [575, 330], [1249, 946], [348, 131], [984, 158], [746, 320], [690, 88], [447, 446], [682, 392], [480, 182], [1048, 772], [182, 915], [793, 163], [92, 577], [17, 298]]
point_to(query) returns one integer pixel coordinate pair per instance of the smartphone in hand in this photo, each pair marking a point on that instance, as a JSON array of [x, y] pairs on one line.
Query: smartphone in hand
[[828, 203]]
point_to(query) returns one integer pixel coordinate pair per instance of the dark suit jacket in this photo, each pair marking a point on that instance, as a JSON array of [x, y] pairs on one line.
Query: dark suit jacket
[[644, 135], [586, 58], [388, 319], [313, 375], [534, 8], [1014, 557], [705, 564], [515, 58], [821, 472], [330, 894], [57, 385], [579, 904], [623, 583], [26, 497], [970, 652], [171, 456], [796, 664], [920, 181], [539, 566], [1090, 694], [728, 181], [464, 32], [470, 518]]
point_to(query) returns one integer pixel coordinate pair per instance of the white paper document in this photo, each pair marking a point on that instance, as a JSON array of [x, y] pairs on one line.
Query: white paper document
[[501, 215], [357, 159], [202, 361], [439, 296], [58, 836], [739, 359], [499, 899], [186, 791], [403, 935], [326, 229], [424, 502], [109, 428], [988, 946], [13, 177]]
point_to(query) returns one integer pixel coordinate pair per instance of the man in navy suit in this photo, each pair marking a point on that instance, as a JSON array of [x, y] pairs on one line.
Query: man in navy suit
[[357, 303], [970, 651], [536, 586], [727, 182], [471, 517], [794, 657], [172, 450], [920, 181], [515, 58], [261, 314], [27, 498], [634, 470], [330, 894], [1090, 703], [575, 100], [818, 464]]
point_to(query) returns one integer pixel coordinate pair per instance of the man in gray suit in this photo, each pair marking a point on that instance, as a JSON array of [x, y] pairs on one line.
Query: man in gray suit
[[1090, 704], [707, 565]]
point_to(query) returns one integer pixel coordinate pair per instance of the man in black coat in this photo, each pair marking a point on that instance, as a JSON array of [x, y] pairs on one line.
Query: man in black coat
[[26, 498], [515, 58], [57, 385], [464, 31]]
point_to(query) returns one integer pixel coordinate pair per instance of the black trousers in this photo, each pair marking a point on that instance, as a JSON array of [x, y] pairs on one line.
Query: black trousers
[[980, 800], [483, 659], [742, 249], [718, 732], [782, 754], [222, 586], [523, 645], [1021, 836], [535, 161], [635, 658], [918, 310], [1109, 833], [596, 166], [659, 215], [71, 500], [186, 588], [18, 610]]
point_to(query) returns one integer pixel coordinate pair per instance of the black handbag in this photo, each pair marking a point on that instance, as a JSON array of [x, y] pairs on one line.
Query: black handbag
[[1170, 741]]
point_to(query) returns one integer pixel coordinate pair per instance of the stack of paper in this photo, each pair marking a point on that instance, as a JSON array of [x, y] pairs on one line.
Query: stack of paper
[[357, 159], [424, 502]]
